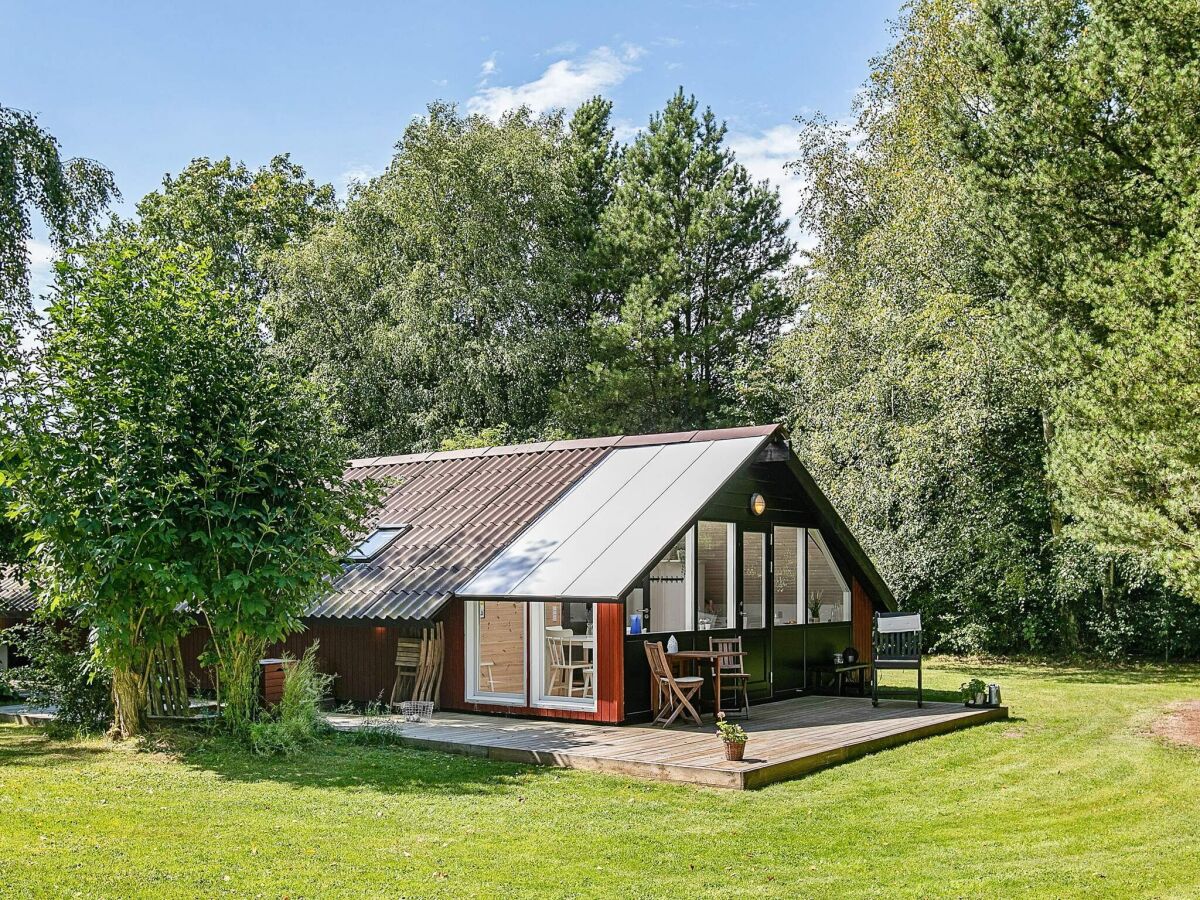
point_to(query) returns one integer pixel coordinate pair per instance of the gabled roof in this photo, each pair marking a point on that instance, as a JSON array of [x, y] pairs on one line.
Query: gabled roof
[[465, 506]]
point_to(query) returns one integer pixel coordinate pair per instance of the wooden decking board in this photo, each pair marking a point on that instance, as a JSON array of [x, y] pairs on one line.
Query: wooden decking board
[[787, 739]]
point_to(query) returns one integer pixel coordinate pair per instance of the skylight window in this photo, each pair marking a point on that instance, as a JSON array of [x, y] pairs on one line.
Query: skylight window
[[375, 543]]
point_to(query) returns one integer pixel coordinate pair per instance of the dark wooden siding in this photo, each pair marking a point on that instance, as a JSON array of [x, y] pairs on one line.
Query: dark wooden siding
[[362, 657]]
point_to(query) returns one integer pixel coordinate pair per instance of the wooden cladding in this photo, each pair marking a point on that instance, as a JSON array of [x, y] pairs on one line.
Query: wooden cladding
[[363, 657], [862, 617]]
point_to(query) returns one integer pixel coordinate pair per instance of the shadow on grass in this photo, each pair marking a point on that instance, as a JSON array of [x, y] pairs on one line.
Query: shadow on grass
[[1075, 671], [347, 762], [32, 745]]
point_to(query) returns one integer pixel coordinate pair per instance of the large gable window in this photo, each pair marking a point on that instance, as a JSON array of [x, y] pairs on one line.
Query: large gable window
[[375, 543], [828, 592]]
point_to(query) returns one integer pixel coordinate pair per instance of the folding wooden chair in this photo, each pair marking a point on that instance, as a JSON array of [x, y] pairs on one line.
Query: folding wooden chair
[[408, 655], [675, 694]]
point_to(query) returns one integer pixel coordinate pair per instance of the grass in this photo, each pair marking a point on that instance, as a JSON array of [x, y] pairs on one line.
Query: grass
[[1071, 798]]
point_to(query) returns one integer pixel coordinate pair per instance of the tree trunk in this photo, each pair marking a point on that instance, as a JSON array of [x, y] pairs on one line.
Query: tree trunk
[[129, 695]]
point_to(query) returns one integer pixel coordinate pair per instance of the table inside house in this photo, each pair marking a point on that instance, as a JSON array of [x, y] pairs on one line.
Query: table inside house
[[690, 659]]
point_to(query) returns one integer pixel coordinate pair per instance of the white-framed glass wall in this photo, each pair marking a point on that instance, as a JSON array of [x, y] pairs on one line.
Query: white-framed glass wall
[[562, 655]]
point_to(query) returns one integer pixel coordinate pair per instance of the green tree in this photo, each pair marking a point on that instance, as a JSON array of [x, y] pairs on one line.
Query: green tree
[[692, 250], [243, 216], [910, 400], [67, 194], [1077, 139], [173, 472], [906, 401], [444, 298]]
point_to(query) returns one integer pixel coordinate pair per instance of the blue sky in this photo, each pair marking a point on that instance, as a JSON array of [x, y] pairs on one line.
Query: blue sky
[[145, 87]]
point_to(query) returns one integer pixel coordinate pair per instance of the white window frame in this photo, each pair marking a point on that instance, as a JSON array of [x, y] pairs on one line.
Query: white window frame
[[689, 585], [472, 692], [390, 533], [537, 664], [731, 575], [846, 596]]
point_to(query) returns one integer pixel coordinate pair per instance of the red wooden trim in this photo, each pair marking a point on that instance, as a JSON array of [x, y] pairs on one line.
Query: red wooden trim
[[862, 616]]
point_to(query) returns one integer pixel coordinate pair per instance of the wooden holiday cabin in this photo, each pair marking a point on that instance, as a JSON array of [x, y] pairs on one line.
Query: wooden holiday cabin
[[550, 564]]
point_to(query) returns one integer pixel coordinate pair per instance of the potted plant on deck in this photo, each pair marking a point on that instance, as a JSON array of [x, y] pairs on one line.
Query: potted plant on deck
[[733, 736], [974, 692]]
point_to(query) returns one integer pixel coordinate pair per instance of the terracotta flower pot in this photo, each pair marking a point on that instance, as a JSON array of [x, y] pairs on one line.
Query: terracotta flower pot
[[735, 751]]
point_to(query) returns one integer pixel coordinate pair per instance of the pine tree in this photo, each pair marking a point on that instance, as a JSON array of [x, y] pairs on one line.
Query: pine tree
[[691, 250]]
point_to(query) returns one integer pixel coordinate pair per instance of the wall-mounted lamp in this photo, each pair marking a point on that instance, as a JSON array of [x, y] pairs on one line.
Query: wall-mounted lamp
[[758, 504]]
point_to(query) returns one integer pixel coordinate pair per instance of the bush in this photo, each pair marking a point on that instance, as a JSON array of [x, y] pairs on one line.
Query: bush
[[62, 673], [296, 722]]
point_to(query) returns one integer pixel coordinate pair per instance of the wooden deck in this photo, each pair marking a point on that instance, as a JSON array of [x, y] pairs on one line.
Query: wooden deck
[[787, 739]]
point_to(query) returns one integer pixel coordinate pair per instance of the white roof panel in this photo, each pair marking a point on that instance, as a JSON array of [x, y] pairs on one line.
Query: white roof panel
[[596, 539], [546, 534]]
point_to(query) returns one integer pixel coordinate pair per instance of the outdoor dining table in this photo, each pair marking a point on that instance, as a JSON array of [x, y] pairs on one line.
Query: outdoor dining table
[[694, 657]]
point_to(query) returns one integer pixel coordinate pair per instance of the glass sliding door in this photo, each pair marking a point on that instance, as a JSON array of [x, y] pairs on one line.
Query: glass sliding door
[[495, 657], [563, 655]]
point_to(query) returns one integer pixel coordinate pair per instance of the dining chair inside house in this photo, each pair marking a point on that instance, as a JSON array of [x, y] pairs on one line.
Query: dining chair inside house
[[675, 695], [733, 672], [562, 668]]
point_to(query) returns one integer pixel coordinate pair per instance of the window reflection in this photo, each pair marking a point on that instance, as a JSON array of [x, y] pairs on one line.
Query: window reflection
[[828, 594], [754, 578], [664, 603], [569, 670], [714, 550], [788, 575]]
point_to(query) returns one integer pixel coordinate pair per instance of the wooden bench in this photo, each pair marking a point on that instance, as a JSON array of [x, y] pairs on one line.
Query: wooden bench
[[861, 672]]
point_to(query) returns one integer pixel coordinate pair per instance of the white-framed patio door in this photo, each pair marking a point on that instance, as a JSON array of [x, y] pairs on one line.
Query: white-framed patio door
[[562, 655], [535, 654], [495, 645]]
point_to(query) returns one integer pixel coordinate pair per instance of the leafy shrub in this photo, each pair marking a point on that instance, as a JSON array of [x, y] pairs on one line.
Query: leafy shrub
[[296, 721], [62, 672]]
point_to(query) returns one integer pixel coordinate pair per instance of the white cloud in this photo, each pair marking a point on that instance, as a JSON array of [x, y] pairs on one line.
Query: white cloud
[[488, 69], [359, 173], [565, 83], [625, 130], [766, 155], [561, 49]]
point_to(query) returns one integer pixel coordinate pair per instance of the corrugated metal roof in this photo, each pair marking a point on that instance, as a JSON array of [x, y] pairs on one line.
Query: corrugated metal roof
[[464, 507], [16, 597], [604, 531]]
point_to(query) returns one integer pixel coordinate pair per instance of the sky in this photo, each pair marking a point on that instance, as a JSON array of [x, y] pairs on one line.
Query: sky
[[145, 87]]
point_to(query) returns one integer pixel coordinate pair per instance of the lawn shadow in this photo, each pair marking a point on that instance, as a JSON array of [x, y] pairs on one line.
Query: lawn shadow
[[33, 745], [339, 761], [1075, 672]]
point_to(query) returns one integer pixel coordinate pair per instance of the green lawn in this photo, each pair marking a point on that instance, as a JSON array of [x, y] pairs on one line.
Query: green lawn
[[1070, 798]]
